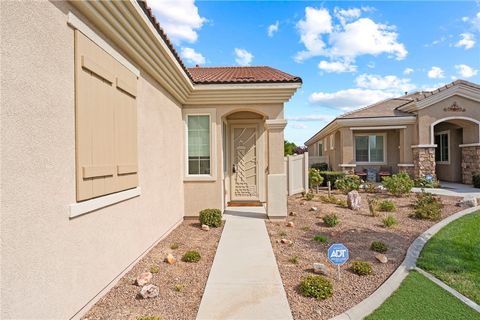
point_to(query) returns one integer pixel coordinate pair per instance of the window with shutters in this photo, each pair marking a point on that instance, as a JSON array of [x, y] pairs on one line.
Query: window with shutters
[[105, 122]]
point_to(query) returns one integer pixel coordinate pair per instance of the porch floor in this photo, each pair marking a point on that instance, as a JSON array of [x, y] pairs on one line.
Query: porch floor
[[454, 190], [244, 282]]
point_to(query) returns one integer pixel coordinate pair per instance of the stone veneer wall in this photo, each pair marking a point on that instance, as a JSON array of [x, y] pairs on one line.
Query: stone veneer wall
[[470, 163], [424, 162]]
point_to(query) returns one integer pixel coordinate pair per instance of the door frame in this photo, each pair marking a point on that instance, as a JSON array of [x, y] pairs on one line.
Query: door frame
[[261, 157]]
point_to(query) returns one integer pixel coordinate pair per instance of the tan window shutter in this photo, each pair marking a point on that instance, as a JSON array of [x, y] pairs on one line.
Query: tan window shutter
[[105, 115]]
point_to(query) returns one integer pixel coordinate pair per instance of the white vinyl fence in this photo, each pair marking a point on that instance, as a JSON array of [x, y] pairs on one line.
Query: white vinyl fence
[[297, 173]]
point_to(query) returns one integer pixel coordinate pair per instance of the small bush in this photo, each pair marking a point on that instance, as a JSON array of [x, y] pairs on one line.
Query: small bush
[[379, 246], [149, 318], [294, 259], [282, 234], [389, 221], [399, 184], [370, 187], [211, 217], [423, 183], [314, 178], [154, 269], [179, 287], [476, 180], [191, 256], [427, 206], [306, 228], [321, 238], [386, 205], [334, 200], [331, 176], [372, 206], [348, 183], [331, 220], [317, 287], [322, 166], [362, 268], [308, 196], [174, 246]]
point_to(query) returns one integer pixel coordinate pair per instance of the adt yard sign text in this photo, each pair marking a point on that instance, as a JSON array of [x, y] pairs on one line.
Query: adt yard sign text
[[338, 254]]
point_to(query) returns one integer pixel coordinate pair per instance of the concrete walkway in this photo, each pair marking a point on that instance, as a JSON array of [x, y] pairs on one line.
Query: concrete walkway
[[453, 189], [244, 282]]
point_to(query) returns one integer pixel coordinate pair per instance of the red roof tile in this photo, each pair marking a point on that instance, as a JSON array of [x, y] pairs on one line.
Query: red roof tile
[[263, 74]]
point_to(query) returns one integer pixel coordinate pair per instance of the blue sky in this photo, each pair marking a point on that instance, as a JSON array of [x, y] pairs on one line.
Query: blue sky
[[349, 54]]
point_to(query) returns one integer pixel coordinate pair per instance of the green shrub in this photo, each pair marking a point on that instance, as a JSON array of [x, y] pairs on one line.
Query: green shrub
[[333, 200], [476, 180], [191, 256], [331, 220], [174, 246], [370, 187], [372, 206], [423, 183], [154, 269], [348, 183], [399, 184], [322, 166], [362, 268], [389, 220], [149, 318], [317, 287], [427, 206], [308, 196], [321, 238], [386, 205], [294, 259], [331, 176], [211, 217], [379, 246], [179, 287], [306, 228], [314, 178]]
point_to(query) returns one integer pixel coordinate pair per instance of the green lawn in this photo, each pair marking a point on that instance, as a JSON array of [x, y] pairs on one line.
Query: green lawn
[[420, 298], [453, 256]]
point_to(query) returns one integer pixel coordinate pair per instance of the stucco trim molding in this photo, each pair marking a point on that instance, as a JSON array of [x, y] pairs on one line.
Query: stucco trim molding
[[469, 145], [424, 146], [347, 165], [432, 126], [80, 208], [378, 128], [405, 165], [275, 124]]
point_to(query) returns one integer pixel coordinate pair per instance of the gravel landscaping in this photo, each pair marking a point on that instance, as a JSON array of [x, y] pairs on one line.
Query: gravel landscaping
[[180, 284], [297, 253]]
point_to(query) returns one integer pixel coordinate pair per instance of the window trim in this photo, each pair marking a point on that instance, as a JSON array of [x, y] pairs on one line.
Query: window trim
[[320, 149], [325, 144], [211, 113], [332, 141], [447, 132], [384, 162]]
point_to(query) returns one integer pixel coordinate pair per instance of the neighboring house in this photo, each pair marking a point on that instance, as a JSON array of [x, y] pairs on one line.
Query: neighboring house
[[109, 142], [424, 133]]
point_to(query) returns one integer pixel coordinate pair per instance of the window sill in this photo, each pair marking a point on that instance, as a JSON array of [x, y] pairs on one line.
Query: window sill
[[199, 178], [80, 208], [442, 162], [371, 163]]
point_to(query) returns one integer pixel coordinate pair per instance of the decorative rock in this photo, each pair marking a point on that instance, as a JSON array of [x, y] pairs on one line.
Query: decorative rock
[[302, 203], [205, 227], [381, 257], [353, 200], [286, 241], [149, 291], [320, 268], [290, 224], [468, 202], [144, 278], [313, 209], [170, 259], [293, 213]]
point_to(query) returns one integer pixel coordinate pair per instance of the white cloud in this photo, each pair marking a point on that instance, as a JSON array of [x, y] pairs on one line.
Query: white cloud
[[298, 126], [436, 73], [389, 83], [408, 71], [337, 66], [191, 56], [467, 41], [353, 36], [474, 21], [243, 57], [273, 28], [312, 117], [180, 19], [349, 99], [465, 71]]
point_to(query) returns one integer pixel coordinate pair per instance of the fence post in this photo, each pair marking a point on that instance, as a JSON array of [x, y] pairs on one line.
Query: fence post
[[305, 170], [290, 175]]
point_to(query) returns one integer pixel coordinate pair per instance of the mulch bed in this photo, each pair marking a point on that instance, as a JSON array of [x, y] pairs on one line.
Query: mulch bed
[[181, 284], [356, 230]]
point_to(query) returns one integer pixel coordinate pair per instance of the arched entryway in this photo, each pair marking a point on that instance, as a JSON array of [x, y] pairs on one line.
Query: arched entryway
[[457, 148]]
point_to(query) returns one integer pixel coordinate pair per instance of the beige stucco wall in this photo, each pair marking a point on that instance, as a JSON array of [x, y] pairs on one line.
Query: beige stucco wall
[[51, 265], [435, 112], [210, 194]]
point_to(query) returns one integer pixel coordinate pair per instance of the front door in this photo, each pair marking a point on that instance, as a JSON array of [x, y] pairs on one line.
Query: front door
[[244, 162]]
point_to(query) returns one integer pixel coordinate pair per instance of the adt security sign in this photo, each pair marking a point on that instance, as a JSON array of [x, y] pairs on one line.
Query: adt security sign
[[337, 254]]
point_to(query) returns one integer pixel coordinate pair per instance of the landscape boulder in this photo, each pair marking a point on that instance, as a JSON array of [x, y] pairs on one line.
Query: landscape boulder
[[290, 224], [468, 202], [170, 259], [353, 200], [320, 268], [313, 209], [144, 278], [149, 291], [381, 257], [205, 227]]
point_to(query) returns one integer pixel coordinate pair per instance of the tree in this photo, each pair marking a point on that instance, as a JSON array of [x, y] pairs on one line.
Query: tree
[[289, 148]]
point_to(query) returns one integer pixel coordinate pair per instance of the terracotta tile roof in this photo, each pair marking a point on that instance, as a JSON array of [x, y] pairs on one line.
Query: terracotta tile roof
[[426, 94], [258, 74]]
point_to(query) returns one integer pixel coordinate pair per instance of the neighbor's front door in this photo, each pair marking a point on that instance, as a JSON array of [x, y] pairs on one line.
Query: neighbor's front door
[[244, 162]]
